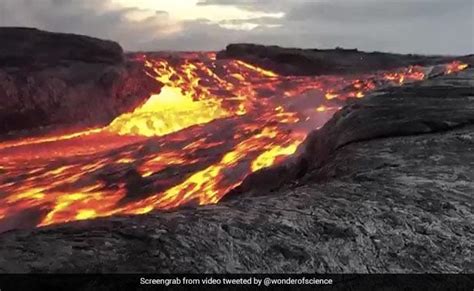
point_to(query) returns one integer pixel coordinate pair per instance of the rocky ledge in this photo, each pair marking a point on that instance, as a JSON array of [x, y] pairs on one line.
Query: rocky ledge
[[49, 79], [385, 186], [295, 61]]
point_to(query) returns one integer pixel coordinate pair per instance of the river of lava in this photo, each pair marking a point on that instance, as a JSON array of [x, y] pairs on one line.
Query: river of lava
[[213, 123]]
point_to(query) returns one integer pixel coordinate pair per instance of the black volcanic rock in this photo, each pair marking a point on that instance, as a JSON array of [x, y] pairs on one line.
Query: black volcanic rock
[[30, 46], [293, 61], [386, 186], [49, 79]]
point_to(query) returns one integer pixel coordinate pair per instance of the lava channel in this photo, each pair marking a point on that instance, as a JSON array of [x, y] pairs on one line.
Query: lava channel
[[213, 123]]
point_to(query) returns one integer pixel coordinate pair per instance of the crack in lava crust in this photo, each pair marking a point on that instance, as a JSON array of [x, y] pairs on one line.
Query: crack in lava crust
[[213, 123]]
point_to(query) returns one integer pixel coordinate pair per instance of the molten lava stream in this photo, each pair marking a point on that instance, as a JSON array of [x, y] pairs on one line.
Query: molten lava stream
[[213, 123]]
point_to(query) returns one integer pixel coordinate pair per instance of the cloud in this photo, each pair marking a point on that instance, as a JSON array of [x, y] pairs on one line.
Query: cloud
[[406, 26], [131, 27], [380, 10]]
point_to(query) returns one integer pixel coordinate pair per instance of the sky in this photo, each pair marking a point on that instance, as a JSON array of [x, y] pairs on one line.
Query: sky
[[404, 26]]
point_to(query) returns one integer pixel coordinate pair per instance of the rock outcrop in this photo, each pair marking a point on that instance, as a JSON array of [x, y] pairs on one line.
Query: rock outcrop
[[51, 79], [293, 61], [385, 186]]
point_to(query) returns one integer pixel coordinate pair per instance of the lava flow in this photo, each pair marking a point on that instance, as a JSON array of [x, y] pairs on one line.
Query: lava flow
[[213, 123]]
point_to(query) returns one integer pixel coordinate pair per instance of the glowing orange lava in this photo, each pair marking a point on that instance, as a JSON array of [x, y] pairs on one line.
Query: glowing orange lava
[[213, 123]]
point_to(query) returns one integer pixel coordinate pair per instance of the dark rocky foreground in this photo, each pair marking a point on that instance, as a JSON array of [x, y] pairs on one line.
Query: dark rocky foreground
[[295, 61], [384, 186], [49, 79]]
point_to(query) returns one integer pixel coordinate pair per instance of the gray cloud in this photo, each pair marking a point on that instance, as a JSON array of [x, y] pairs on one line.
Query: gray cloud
[[419, 26], [380, 10], [91, 17]]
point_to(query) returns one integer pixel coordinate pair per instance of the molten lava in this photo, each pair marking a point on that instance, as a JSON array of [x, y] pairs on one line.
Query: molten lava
[[174, 107], [213, 123]]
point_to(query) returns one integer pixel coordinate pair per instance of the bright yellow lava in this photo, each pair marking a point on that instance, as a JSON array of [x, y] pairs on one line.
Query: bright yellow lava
[[168, 112], [267, 158], [175, 108]]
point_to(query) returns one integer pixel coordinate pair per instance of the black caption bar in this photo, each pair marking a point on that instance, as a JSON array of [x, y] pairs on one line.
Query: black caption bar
[[233, 281]]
